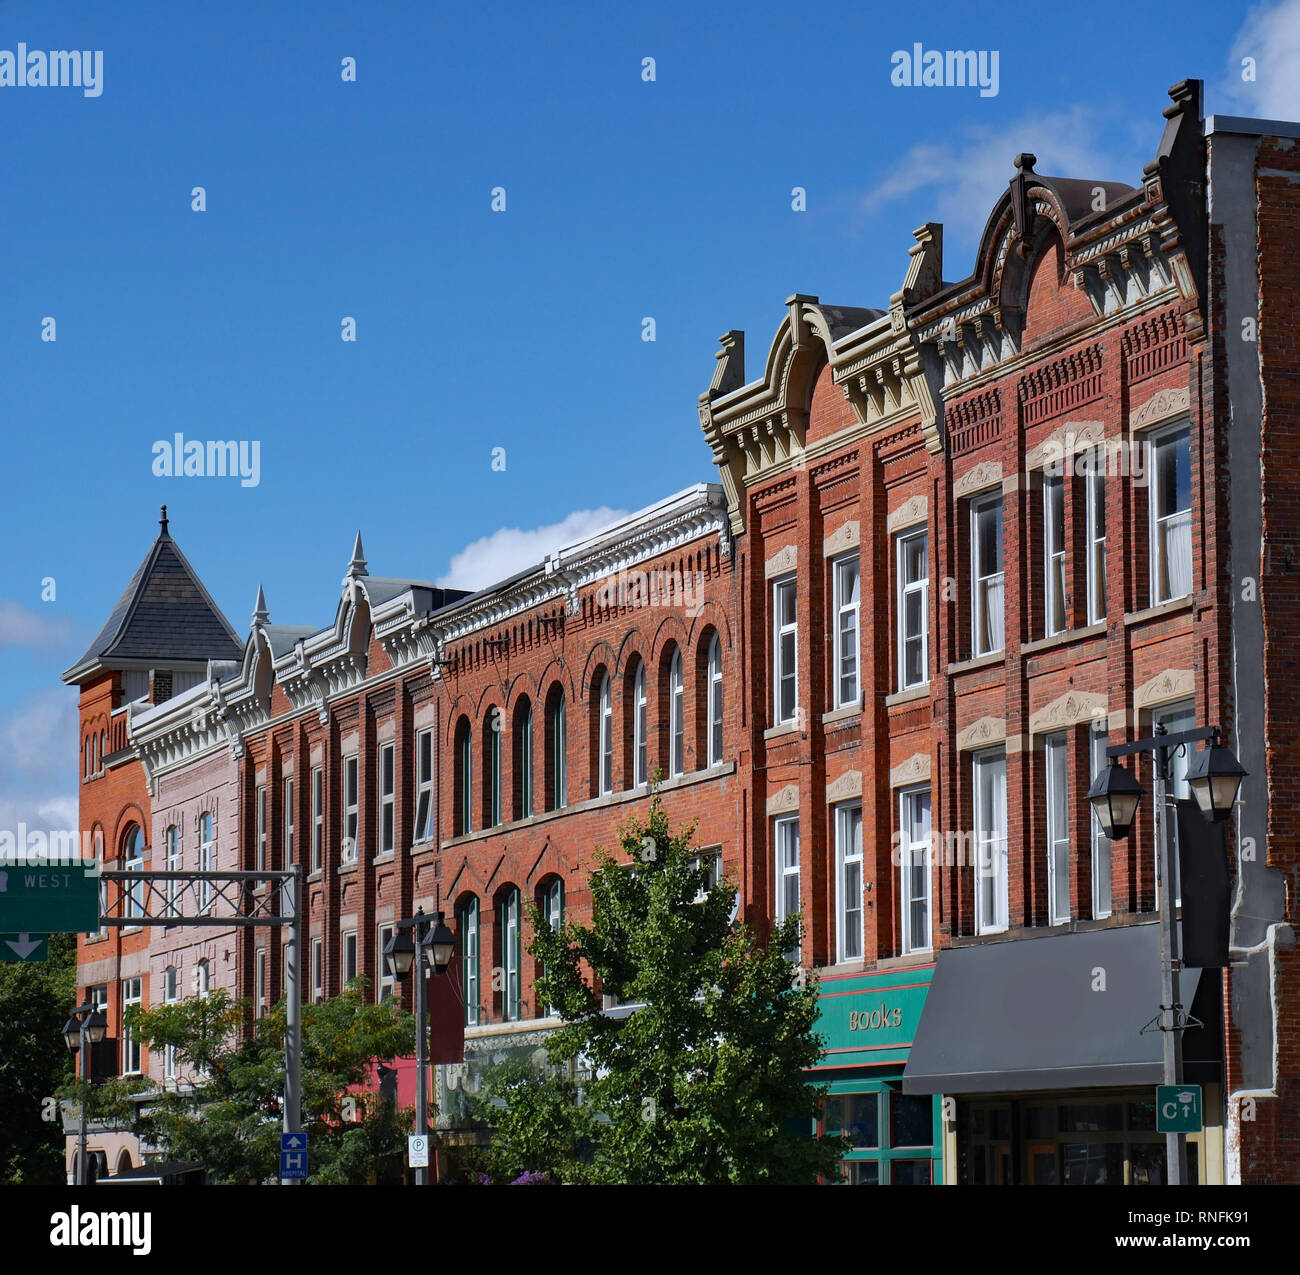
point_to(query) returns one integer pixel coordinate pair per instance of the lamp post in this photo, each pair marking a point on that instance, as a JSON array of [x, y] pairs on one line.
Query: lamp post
[[418, 943], [1214, 776], [86, 1027]]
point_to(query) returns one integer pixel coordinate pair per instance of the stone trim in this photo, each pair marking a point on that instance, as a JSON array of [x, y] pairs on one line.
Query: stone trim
[[909, 513], [1165, 405], [987, 731], [987, 473], [1069, 440], [915, 770], [782, 562], [1070, 709], [784, 801], [847, 786], [849, 536], [1172, 684]]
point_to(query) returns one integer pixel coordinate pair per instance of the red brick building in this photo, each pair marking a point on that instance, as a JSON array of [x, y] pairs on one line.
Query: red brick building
[[960, 545]]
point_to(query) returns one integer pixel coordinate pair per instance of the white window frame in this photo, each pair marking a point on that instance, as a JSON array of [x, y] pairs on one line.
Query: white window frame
[[786, 585], [351, 807], [470, 933], [133, 860], [512, 1008], [1102, 900], [387, 798], [424, 828], [132, 1053], [173, 861], [1095, 502], [287, 788], [1056, 825], [524, 778], [990, 846], [384, 931], [906, 589], [493, 768], [980, 584], [850, 907], [350, 953], [1055, 619], [202, 977], [1177, 787], [639, 727], [1158, 521], [317, 970], [262, 967], [317, 817], [207, 858], [785, 837], [552, 909], [715, 701], [676, 716], [171, 994], [911, 844], [261, 827], [847, 685], [559, 727], [606, 742]]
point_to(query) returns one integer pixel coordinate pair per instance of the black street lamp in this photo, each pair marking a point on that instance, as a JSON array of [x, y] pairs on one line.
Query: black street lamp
[[420, 943], [1214, 776], [86, 1027]]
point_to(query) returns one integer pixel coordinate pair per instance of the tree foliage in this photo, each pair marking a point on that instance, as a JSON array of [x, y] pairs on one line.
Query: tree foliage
[[231, 1117], [36, 999], [705, 1081]]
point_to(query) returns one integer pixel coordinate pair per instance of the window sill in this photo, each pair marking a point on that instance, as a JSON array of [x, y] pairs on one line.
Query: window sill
[[315, 874], [785, 728], [346, 867], [384, 856], [1061, 639], [424, 845], [846, 712], [907, 696], [1172, 607], [909, 960], [980, 661]]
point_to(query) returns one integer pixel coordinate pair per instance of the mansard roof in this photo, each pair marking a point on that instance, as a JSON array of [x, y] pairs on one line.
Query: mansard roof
[[165, 616]]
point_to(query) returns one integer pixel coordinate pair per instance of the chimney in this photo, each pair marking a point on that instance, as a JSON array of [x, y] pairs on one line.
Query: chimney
[[160, 685]]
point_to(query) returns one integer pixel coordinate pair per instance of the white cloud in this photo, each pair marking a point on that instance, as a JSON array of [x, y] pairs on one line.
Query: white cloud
[[963, 175], [39, 762], [1271, 35], [21, 627], [511, 549]]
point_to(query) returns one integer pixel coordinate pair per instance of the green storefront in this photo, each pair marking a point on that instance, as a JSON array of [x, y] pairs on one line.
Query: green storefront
[[868, 1022]]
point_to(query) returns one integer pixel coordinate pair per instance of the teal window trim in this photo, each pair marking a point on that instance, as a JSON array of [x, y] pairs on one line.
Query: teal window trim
[[884, 1154]]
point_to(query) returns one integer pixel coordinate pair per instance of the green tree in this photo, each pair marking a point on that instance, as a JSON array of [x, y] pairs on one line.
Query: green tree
[[538, 1124], [36, 999], [706, 1081], [232, 1118]]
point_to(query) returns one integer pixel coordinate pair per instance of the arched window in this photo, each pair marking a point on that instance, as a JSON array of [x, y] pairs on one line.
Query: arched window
[[103, 747], [523, 760], [203, 977], [550, 903], [605, 754], [676, 716], [467, 924], [715, 701], [133, 861], [464, 820], [509, 951], [173, 842], [207, 858], [85, 758], [492, 727], [557, 744], [123, 1162], [639, 761]]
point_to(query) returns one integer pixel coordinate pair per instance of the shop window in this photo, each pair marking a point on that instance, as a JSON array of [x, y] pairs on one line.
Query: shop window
[[890, 1136]]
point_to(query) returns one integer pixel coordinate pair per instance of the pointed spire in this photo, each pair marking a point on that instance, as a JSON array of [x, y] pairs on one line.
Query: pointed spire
[[163, 534], [260, 613], [357, 567]]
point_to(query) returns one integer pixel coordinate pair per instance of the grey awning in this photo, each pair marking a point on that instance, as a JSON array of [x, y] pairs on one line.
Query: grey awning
[[1025, 1014]]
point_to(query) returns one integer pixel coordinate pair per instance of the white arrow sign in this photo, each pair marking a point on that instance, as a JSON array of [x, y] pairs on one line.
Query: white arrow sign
[[24, 945]]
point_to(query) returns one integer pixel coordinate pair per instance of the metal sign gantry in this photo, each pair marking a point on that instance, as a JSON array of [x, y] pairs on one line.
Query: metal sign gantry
[[223, 900]]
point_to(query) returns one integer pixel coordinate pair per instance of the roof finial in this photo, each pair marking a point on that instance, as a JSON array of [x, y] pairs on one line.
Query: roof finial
[[357, 567], [162, 522], [260, 613]]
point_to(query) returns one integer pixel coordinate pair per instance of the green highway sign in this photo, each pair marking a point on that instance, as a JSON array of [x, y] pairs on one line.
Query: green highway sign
[[24, 947], [53, 898], [1178, 1108]]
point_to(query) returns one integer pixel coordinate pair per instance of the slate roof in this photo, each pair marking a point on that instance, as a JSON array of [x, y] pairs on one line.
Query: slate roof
[[165, 614]]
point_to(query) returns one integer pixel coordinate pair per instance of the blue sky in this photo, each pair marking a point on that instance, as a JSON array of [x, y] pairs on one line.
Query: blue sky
[[476, 329]]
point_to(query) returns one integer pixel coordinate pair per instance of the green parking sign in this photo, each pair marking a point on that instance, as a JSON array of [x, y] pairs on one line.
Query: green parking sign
[[1178, 1108]]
